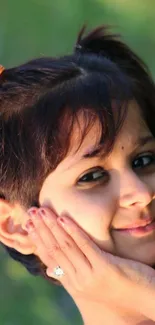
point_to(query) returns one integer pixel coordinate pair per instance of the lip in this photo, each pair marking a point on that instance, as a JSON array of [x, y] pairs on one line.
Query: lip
[[139, 231], [136, 225]]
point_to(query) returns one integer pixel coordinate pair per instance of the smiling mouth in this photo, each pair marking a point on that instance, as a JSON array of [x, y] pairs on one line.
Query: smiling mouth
[[136, 225], [138, 230]]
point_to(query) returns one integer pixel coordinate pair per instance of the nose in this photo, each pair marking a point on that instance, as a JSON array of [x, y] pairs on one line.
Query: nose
[[134, 191]]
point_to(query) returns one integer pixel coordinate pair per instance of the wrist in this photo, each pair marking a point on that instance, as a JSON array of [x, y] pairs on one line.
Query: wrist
[[146, 302], [100, 314]]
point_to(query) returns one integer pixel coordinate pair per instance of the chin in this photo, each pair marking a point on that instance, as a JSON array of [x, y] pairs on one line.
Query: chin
[[148, 260], [144, 253]]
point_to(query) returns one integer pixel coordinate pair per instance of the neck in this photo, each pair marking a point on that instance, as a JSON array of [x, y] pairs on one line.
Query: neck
[[93, 313]]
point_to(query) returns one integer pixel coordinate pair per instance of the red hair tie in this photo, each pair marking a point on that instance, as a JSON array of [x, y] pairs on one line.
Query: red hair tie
[[1, 69]]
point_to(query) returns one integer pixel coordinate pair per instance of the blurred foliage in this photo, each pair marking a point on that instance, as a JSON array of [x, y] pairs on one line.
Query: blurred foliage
[[26, 299], [33, 28], [45, 27]]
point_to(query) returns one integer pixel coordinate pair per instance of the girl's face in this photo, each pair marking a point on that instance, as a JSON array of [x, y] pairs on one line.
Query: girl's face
[[107, 197]]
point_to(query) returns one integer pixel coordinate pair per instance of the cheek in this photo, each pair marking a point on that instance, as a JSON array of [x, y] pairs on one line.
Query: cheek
[[90, 209], [149, 180]]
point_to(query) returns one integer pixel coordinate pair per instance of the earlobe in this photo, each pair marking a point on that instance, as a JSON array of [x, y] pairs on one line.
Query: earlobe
[[12, 233]]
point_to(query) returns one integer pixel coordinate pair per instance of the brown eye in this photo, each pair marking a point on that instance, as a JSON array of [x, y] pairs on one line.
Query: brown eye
[[143, 161], [93, 175]]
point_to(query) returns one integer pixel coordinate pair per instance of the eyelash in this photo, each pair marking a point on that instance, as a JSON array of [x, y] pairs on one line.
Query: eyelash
[[104, 174], [92, 171], [149, 155]]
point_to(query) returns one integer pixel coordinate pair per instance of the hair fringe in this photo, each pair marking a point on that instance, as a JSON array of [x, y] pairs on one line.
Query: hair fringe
[[101, 33], [102, 41]]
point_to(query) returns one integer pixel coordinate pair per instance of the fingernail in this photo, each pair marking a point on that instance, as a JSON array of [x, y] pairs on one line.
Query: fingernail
[[62, 221], [49, 272], [29, 225], [42, 213], [32, 212]]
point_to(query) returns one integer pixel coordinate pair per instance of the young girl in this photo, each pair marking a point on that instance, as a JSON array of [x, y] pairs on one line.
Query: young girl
[[77, 136]]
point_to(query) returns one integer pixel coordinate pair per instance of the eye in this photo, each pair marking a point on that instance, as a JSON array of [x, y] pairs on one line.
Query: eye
[[94, 175], [144, 161]]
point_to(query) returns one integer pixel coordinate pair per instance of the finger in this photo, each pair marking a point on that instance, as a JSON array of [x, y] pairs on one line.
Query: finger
[[83, 241], [46, 234], [49, 245], [68, 245], [41, 252]]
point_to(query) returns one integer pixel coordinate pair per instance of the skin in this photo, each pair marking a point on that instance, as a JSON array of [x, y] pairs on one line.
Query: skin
[[122, 197], [88, 269]]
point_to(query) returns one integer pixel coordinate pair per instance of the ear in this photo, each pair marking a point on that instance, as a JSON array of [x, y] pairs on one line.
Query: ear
[[12, 232]]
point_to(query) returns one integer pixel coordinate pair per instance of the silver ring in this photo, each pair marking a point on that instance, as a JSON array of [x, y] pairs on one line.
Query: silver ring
[[58, 271]]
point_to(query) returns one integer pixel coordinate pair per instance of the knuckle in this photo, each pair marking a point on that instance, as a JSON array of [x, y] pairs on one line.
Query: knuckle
[[84, 242], [67, 244], [81, 286], [53, 250], [83, 280]]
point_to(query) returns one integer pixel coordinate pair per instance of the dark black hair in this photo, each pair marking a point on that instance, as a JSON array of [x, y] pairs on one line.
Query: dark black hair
[[41, 100]]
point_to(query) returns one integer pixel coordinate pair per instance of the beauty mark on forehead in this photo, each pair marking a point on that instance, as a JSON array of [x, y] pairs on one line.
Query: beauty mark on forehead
[[93, 151]]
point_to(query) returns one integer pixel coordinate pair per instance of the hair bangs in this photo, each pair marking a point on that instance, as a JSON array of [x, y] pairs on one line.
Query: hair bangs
[[42, 102], [86, 100]]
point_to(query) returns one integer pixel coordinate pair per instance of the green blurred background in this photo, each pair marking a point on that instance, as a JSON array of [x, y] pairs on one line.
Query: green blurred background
[[33, 28]]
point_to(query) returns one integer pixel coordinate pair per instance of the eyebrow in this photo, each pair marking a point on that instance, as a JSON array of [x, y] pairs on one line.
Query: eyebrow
[[145, 140], [99, 148], [96, 150], [93, 152]]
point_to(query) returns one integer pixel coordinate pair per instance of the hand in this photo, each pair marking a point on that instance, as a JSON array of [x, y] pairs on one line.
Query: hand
[[90, 273]]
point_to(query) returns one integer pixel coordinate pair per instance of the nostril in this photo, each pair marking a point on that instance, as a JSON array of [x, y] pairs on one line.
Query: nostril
[[135, 199]]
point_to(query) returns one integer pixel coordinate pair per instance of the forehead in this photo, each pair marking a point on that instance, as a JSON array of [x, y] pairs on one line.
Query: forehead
[[134, 127]]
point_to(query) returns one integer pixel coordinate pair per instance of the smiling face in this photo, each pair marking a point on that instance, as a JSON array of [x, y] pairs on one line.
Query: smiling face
[[106, 195]]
